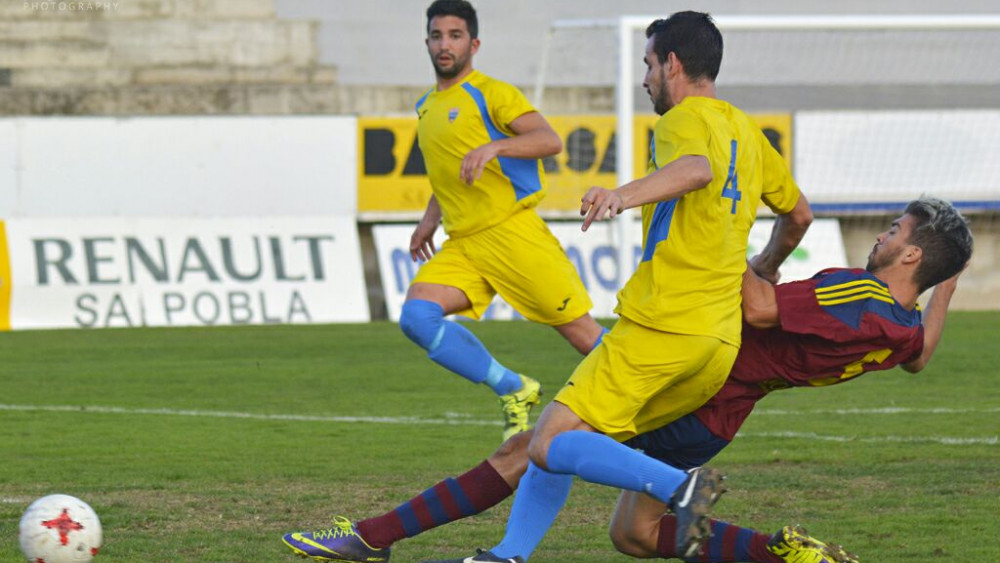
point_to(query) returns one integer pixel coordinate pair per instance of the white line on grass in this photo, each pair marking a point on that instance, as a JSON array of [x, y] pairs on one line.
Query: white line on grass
[[879, 410], [456, 419], [251, 416], [946, 440]]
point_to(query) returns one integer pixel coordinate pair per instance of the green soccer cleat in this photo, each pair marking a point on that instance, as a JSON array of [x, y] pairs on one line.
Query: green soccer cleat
[[794, 545], [340, 544], [517, 406]]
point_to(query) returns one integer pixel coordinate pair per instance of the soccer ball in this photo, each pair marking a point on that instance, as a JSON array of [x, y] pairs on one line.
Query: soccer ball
[[60, 529]]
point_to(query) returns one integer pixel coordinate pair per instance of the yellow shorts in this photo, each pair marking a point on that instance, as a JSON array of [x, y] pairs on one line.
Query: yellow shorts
[[522, 261], [639, 379]]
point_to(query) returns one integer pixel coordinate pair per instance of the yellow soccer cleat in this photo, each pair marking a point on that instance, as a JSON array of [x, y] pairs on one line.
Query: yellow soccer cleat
[[517, 406], [794, 545]]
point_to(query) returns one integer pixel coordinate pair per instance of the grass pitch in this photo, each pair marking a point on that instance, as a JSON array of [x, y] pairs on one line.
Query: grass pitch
[[207, 444]]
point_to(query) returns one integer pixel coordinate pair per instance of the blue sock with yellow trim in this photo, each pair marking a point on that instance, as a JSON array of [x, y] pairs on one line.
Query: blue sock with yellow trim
[[452, 346]]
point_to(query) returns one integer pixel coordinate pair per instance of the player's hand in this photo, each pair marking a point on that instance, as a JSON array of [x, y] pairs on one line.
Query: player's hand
[[599, 204], [951, 283], [474, 162], [756, 263], [422, 242]]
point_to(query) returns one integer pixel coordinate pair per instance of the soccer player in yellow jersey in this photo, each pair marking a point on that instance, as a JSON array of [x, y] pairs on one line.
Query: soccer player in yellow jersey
[[679, 330], [482, 143]]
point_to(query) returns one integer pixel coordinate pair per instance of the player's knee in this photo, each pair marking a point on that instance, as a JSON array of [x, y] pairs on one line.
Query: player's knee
[[538, 451], [421, 321], [635, 538], [511, 458], [626, 541]]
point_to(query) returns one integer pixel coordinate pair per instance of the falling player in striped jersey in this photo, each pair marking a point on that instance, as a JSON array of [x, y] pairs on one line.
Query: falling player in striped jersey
[[817, 332]]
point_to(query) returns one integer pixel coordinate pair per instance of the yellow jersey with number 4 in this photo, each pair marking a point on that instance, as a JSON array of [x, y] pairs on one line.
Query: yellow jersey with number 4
[[694, 247], [458, 120]]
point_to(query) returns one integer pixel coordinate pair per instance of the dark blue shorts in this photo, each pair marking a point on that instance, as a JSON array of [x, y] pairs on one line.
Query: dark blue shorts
[[684, 443]]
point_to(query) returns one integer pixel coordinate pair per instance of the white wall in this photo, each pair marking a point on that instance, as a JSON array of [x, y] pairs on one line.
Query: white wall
[[177, 166]]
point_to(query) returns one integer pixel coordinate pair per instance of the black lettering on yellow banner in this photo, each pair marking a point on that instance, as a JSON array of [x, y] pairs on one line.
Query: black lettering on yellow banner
[[391, 173]]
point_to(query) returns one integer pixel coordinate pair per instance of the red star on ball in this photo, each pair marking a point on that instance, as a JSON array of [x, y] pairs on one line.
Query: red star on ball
[[65, 524]]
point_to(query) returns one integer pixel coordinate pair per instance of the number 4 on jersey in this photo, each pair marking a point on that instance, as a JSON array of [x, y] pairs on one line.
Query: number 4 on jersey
[[731, 189]]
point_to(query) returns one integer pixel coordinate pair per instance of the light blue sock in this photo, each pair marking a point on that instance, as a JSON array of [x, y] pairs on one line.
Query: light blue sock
[[501, 379], [454, 347], [599, 459], [540, 496]]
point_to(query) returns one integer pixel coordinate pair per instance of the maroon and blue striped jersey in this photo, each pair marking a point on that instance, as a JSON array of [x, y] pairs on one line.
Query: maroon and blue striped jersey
[[833, 327]]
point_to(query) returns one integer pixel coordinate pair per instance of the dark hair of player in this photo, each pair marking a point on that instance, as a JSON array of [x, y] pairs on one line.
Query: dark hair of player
[[693, 37], [944, 238], [457, 8]]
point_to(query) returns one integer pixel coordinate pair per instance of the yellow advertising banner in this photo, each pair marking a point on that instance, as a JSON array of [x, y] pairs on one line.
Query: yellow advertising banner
[[391, 173], [392, 177]]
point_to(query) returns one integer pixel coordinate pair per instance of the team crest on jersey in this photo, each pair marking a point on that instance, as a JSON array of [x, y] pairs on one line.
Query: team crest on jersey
[[452, 115]]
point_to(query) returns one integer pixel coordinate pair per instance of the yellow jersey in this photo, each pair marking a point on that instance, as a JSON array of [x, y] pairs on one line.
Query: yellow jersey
[[455, 121], [694, 248]]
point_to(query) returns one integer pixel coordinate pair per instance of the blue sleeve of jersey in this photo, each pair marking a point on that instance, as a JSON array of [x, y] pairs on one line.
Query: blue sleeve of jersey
[[834, 303], [848, 295]]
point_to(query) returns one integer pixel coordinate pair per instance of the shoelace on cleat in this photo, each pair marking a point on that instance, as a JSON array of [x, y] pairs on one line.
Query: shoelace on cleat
[[341, 527], [511, 404]]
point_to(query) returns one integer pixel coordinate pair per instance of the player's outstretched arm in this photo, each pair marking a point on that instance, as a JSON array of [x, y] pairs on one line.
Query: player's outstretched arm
[[686, 174], [937, 310], [533, 138], [787, 233], [760, 303], [422, 240]]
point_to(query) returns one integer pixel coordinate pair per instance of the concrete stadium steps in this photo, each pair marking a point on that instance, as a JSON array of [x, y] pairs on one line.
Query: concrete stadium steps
[[138, 9], [187, 76], [160, 57], [224, 99], [154, 43], [212, 42]]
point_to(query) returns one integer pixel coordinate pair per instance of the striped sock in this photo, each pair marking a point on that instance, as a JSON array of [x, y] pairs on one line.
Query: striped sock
[[729, 544], [452, 499]]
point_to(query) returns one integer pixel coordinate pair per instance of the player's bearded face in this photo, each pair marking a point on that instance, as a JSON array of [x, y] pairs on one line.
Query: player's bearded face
[[447, 64], [889, 244], [655, 81], [658, 92], [882, 256], [450, 46]]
